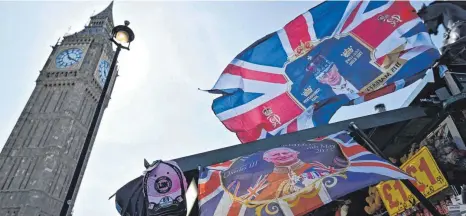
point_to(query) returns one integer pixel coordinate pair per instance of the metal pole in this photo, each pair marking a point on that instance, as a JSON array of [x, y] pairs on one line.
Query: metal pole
[[369, 143], [90, 133]]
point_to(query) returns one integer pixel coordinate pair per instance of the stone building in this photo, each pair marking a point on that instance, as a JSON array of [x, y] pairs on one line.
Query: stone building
[[41, 155]]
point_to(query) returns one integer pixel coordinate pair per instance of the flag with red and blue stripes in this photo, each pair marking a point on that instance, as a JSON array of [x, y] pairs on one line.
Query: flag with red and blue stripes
[[293, 179], [333, 55]]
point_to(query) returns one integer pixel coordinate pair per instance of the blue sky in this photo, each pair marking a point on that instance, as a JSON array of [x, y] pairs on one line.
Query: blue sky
[[156, 111]]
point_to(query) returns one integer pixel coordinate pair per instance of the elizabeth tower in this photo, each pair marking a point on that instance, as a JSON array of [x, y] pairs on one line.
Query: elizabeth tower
[[41, 155]]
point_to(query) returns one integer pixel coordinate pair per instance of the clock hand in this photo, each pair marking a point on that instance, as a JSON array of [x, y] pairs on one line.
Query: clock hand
[[68, 55], [72, 59]]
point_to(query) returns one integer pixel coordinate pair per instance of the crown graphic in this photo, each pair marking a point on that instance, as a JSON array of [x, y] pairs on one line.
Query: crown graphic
[[307, 91], [301, 50], [267, 111]]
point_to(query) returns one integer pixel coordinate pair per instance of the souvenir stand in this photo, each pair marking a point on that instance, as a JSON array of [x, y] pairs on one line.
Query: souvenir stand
[[398, 133], [424, 139], [394, 132], [441, 135]]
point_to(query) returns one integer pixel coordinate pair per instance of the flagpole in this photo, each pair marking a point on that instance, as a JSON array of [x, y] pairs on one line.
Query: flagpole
[[369, 143]]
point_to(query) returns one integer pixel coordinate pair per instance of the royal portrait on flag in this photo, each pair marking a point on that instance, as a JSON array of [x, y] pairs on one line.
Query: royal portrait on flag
[[292, 171], [321, 70]]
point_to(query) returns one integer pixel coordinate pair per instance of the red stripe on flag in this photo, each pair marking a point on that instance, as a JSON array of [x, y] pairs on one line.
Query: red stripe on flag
[[373, 31], [297, 31], [375, 164], [210, 186], [281, 106], [254, 75], [380, 60], [234, 210], [351, 17], [350, 151], [250, 135], [292, 127]]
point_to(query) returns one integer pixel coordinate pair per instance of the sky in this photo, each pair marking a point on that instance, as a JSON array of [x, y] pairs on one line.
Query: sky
[[156, 110]]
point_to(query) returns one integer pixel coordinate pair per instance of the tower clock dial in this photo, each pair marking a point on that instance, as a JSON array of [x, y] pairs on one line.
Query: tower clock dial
[[69, 57], [104, 68]]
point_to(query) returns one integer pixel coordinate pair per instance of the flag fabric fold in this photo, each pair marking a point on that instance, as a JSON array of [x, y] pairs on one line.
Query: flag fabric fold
[[330, 56], [293, 179]]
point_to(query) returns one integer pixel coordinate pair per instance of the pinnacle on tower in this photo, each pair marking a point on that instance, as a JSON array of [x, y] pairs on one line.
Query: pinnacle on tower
[[106, 13], [101, 23]]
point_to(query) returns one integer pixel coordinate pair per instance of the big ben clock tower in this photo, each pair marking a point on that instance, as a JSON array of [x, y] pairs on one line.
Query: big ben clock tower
[[41, 155]]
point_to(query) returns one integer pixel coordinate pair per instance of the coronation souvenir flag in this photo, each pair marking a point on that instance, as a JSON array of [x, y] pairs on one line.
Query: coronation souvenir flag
[[293, 179], [330, 56]]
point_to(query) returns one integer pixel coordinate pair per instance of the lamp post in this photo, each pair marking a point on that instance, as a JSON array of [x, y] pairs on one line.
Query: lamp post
[[122, 36]]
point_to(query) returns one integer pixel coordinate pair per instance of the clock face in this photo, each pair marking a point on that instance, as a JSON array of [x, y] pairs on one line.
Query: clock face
[[68, 57], [104, 67]]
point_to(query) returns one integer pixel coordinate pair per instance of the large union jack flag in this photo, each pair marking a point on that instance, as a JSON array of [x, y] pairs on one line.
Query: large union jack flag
[[332, 55], [293, 179]]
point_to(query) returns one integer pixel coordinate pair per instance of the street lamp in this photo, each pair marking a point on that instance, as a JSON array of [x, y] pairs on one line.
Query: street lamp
[[122, 36]]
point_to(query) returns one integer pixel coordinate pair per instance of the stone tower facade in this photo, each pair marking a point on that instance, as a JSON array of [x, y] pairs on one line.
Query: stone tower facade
[[40, 156]]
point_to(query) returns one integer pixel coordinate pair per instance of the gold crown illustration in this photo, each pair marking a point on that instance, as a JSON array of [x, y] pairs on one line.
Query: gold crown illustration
[[301, 50], [307, 91]]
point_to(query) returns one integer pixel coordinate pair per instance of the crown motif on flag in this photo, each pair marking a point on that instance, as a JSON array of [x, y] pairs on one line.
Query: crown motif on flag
[[267, 111], [307, 91], [300, 50]]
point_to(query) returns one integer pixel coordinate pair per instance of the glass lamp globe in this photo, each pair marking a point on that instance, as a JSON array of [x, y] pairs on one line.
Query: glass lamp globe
[[122, 36]]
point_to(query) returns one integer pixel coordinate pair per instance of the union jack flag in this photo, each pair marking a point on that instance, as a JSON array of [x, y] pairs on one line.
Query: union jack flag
[[237, 187], [330, 56]]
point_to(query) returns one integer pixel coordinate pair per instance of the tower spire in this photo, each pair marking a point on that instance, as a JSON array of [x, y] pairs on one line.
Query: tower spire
[[106, 13], [100, 23]]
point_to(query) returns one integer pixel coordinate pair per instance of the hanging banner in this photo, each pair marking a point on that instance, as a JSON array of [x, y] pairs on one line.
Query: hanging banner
[[293, 179], [429, 181]]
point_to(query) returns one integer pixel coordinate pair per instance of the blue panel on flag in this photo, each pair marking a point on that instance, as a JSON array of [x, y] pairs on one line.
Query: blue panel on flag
[[323, 113], [237, 99], [420, 27], [270, 52], [374, 5], [331, 12]]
